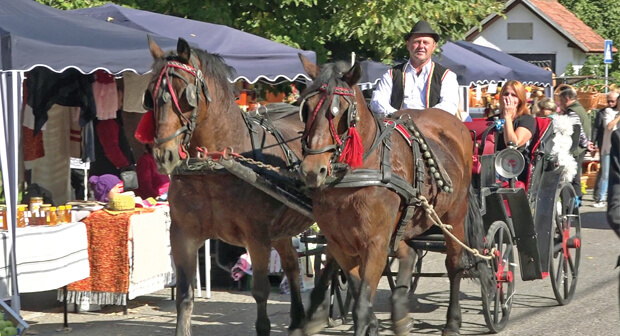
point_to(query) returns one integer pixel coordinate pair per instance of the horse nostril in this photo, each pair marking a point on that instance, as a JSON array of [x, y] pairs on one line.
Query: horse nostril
[[168, 157], [323, 171]]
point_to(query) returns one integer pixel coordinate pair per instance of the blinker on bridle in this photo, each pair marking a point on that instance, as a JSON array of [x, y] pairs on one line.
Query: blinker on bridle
[[192, 94], [334, 109]]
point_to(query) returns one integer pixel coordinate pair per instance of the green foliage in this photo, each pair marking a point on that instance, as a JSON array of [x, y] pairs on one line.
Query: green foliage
[[570, 70], [331, 28]]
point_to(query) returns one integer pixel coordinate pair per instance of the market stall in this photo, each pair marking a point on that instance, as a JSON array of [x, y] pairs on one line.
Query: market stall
[[129, 254]]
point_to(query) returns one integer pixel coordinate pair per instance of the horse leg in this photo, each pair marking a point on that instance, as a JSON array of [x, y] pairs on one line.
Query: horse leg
[[290, 265], [366, 322], [455, 273], [318, 314], [401, 323], [260, 284], [184, 248]]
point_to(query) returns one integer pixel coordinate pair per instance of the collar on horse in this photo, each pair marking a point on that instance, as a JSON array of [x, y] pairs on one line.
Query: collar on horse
[[348, 147], [192, 93]]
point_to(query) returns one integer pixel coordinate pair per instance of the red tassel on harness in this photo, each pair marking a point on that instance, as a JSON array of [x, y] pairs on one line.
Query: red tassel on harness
[[145, 133], [353, 152]]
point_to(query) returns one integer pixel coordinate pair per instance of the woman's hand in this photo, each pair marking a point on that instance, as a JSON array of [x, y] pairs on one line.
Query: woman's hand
[[510, 107]]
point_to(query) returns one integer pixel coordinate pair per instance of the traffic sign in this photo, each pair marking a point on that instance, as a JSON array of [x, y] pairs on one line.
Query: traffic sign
[[607, 56]]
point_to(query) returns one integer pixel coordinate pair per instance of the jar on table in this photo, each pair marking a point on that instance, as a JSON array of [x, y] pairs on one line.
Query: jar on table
[[68, 215], [53, 217], [44, 213], [62, 214], [35, 204], [21, 215]]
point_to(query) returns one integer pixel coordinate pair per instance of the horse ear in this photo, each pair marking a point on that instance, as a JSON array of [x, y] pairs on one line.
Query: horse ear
[[154, 48], [353, 75], [310, 67], [183, 50]]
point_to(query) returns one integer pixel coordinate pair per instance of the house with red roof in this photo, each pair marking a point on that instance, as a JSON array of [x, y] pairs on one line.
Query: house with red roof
[[543, 32]]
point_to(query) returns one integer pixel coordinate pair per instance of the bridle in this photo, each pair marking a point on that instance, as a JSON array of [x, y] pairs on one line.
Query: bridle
[[192, 93], [334, 108]]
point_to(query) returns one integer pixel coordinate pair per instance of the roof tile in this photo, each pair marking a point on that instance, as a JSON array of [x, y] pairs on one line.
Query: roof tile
[[571, 24]]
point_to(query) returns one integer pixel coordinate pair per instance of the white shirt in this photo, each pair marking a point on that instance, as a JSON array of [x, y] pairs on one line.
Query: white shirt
[[608, 116], [415, 92]]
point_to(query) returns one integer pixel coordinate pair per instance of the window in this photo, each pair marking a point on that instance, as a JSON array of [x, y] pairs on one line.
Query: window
[[520, 31]]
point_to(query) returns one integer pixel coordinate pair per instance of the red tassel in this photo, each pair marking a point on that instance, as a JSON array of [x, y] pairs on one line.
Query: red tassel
[[145, 132], [353, 152]]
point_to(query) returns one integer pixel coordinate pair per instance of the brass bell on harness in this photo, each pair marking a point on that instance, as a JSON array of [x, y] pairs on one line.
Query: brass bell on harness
[[427, 155], [431, 162], [437, 175], [440, 183], [424, 147], [433, 170], [446, 189]]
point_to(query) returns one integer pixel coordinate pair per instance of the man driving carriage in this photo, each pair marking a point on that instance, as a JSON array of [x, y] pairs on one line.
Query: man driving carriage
[[419, 83]]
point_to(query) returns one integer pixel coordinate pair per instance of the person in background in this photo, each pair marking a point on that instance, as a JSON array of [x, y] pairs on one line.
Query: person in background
[[601, 135], [419, 83], [613, 197], [150, 182], [571, 107], [112, 151], [105, 187], [546, 108], [518, 125]]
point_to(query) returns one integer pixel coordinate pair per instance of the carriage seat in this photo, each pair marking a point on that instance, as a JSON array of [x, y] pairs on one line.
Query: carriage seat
[[483, 135]]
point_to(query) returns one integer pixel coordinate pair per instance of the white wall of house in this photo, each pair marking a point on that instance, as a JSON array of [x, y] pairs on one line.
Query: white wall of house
[[545, 40]]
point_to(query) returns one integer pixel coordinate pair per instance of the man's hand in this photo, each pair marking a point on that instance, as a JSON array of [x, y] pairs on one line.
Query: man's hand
[[591, 146]]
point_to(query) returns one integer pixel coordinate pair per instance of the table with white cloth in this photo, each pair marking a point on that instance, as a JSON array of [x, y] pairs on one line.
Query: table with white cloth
[[47, 257], [130, 256]]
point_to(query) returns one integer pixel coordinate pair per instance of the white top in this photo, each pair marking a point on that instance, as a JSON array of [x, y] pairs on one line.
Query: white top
[[415, 92], [608, 115]]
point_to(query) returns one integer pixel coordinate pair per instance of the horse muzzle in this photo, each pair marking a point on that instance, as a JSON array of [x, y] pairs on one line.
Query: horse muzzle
[[167, 160], [314, 174]]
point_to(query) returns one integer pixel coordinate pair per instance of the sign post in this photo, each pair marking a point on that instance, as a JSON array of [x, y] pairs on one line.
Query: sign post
[[607, 59]]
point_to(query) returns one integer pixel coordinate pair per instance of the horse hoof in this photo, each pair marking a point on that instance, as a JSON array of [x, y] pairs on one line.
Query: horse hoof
[[450, 333], [296, 332], [403, 327]]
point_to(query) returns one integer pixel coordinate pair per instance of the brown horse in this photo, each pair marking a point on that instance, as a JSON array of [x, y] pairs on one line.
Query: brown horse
[[360, 220], [194, 106]]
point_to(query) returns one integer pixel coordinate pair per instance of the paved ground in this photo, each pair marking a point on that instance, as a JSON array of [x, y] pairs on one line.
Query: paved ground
[[594, 311]]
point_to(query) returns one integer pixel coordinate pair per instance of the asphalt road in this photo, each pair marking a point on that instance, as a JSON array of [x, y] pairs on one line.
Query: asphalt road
[[593, 311]]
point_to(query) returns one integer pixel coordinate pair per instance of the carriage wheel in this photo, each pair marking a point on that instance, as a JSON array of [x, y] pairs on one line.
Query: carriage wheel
[[496, 306], [415, 276], [565, 251]]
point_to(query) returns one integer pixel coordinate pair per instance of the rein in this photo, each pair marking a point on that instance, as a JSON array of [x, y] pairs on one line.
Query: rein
[[348, 145], [192, 92]]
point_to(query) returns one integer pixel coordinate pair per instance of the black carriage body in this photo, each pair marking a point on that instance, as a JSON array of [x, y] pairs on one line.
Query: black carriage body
[[529, 214]]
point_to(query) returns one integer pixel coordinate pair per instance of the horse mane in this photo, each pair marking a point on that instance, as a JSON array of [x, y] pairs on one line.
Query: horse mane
[[212, 66]]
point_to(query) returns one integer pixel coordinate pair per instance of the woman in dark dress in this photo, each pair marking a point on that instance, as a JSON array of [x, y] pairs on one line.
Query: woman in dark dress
[[518, 124]]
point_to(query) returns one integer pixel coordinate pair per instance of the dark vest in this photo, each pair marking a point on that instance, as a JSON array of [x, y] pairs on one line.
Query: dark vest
[[433, 85]]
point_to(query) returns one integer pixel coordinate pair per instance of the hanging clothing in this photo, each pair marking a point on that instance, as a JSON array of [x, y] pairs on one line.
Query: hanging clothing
[[106, 95], [68, 88]]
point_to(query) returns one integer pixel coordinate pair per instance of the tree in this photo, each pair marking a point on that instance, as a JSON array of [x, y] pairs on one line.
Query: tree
[[332, 28]]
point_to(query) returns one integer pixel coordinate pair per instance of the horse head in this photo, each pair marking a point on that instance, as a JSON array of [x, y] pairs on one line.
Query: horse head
[[330, 112], [180, 95]]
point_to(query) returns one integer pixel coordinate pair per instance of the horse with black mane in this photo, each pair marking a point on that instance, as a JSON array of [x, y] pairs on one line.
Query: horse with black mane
[[194, 113], [379, 183]]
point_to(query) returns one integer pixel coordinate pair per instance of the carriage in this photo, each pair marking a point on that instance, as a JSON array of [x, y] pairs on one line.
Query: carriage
[[539, 218], [489, 218]]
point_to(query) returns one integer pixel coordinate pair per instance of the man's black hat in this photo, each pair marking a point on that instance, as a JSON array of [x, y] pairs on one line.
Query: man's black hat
[[423, 27]]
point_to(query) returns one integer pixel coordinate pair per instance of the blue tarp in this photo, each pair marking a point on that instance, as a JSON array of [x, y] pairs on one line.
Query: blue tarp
[[33, 34], [522, 70], [253, 57], [468, 66]]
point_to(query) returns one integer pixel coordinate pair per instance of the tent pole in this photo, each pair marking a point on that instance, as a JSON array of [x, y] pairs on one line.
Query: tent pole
[[12, 158]]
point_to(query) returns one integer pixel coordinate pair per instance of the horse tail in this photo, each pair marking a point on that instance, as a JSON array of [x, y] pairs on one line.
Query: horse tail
[[475, 235]]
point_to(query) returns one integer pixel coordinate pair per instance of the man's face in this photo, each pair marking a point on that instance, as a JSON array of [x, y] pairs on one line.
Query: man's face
[[563, 103], [611, 101], [421, 47]]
